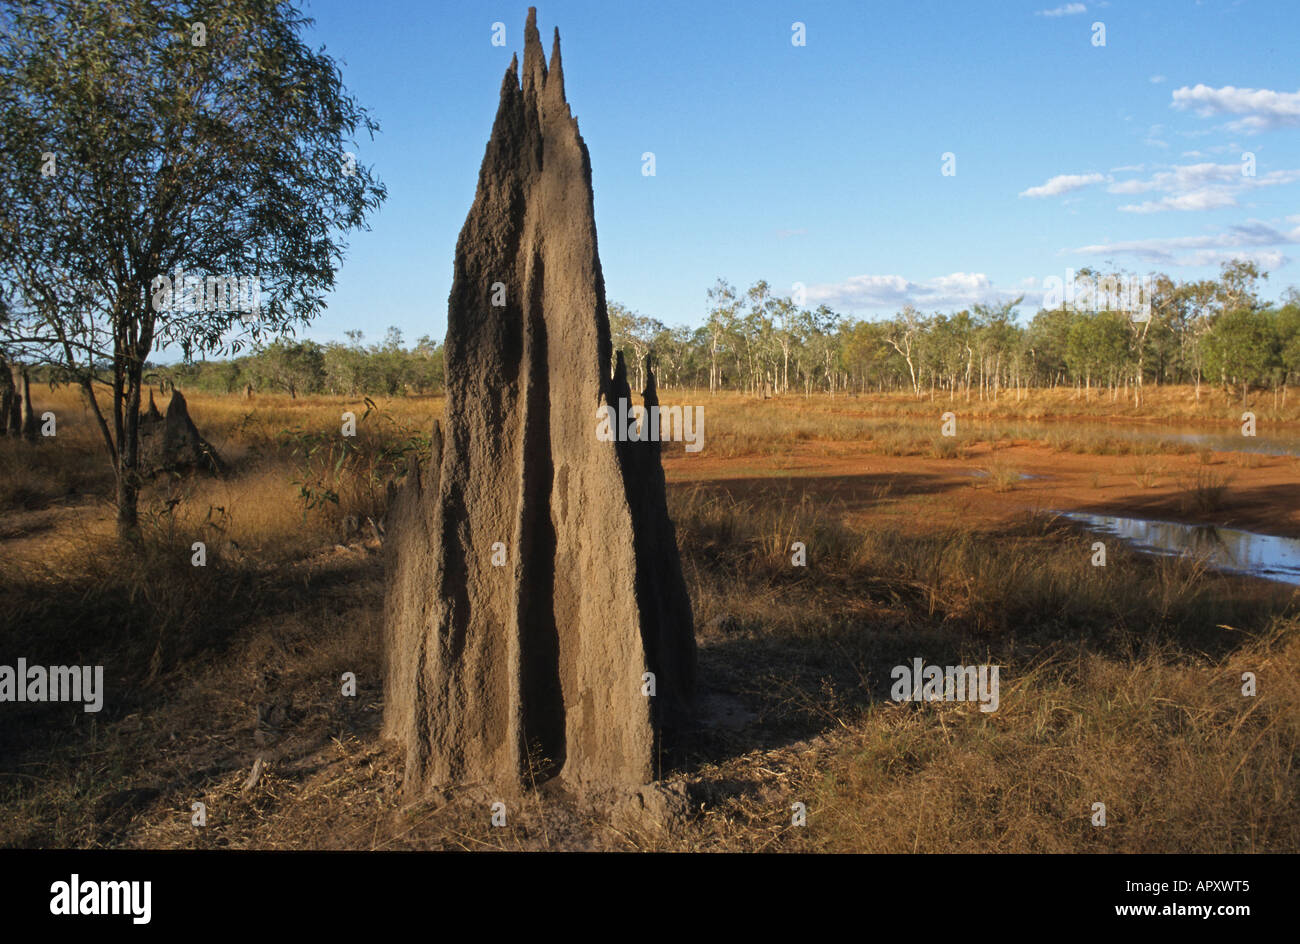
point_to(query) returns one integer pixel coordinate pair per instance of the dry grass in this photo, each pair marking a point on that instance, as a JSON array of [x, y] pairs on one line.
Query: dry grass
[[1147, 473], [1119, 685], [1002, 476], [1182, 761], [900, 425], [1166, 405], [1204, 490]]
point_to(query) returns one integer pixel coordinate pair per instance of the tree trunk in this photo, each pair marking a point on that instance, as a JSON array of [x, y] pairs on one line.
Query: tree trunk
[[30, 432], [128, 500], [14, 418], [128, 459], [8, 397]]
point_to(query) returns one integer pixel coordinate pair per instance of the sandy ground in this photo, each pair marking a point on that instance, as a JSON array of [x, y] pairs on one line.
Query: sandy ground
[[1264, 498]]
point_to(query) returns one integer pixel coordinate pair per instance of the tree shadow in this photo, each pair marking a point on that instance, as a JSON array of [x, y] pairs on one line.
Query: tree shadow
[[851, 492], [148, 634]]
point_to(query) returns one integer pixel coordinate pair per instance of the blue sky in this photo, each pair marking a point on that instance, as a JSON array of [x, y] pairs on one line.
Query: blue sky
[[822, 164]]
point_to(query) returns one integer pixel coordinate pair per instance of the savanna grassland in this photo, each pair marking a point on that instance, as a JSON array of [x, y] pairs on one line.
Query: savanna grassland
[[1120, 684]]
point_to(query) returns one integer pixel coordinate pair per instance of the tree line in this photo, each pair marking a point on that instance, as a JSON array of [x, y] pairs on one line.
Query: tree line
[[1214, 331], [307, 367]]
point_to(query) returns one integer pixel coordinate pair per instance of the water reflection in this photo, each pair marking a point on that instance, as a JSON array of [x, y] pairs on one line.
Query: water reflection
[[1243, 552]]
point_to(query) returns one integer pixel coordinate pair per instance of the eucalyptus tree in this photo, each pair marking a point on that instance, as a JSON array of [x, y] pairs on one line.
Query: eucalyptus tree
[[907, 334], [757, 337], [160, 154], [1241, 348], [824, 330], [997, 336], [724, 308], [1288, 334], [633, 333]]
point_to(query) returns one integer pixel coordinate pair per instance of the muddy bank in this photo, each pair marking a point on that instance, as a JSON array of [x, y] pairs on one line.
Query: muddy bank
[[1254, 493]]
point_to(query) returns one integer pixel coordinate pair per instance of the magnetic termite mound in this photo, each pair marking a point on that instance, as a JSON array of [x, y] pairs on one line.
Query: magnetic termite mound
[[533, 572], [173, 443]]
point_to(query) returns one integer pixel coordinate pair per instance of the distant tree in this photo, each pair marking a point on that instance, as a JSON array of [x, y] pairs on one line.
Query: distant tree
[[427, 365], [1047, 338], [906, 336], [997, 335], [786, 322], [292, 366], [1202, 310], [756, 338], [1288, 337], [822, 328], [1238, 284], [633, 333], [723, 308], [1241, 348], [389, 365], [1081, 354], [865, 349], [227, 374]]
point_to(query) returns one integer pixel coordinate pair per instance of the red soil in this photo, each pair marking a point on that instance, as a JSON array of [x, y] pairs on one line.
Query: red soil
[[1265, 499]]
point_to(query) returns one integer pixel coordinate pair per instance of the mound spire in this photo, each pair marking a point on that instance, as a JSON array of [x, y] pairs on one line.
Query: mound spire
[[535, 594]]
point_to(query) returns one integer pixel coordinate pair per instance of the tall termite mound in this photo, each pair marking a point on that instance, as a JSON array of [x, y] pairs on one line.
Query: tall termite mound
[[533, 576]]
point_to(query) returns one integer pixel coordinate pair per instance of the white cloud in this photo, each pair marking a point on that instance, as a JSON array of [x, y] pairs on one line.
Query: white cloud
[[1157, 79], [1069, 9], [1263, 108], [892, 292], [1264, 258], [1207, 199], [1180, 178], [1204, 186], [1273, 178], [1063, 183], [1244, 240]]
